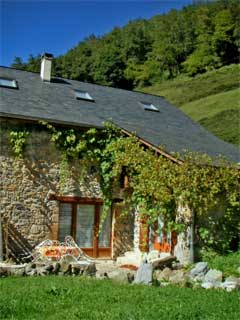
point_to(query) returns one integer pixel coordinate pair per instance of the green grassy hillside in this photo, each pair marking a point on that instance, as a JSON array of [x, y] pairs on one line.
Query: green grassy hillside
[[225, 125], [212, 99], [219, 113], [210, 106]]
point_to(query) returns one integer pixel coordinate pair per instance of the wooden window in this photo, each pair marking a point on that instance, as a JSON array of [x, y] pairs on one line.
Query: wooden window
[[8, 83], [80, 218], [82, 95], [65, 220], [104, 235], [156, 237], [85, 225]]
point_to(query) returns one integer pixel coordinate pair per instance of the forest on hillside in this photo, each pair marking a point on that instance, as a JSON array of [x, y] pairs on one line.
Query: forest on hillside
[[196, 39]]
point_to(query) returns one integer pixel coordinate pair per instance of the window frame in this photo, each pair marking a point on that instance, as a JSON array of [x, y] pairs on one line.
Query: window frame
[[87, 97], [148, 106], [95, 251], [14, 81]]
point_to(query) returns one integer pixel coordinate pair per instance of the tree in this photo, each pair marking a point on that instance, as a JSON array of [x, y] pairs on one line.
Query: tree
[[204, 56], [195, 39], [18, 63], [109, 63], [223, 37], [34, 63]]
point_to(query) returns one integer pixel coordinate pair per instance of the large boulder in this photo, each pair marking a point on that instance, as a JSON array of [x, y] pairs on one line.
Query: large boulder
[[178, 277], [212, 279], [162, 275], [199, 271], [213, 275], [211, 285], [231, 284], [144, 274], [119, 275]]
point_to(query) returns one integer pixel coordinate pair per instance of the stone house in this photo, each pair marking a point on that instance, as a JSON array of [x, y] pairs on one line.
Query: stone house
[[33, 207]]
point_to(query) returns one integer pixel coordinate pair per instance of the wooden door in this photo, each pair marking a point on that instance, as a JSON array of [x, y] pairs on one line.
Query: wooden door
[[83, 222], [93, 235], [156, 237], [105, 234], [164, 241]]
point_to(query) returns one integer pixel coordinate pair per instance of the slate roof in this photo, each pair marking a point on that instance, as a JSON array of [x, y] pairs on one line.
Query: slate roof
[[55, 102]]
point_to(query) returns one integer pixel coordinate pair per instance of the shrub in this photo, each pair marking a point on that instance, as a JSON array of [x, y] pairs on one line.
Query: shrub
[[228, 264]]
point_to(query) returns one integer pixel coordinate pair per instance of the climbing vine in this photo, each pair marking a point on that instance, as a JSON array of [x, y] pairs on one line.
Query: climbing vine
[[157, 185], [18, 140], [89, 146]]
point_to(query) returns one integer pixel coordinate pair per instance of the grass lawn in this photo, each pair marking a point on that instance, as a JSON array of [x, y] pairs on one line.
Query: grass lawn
[[79, 298]]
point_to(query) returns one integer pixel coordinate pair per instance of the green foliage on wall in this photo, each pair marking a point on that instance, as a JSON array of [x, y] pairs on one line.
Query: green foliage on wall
[[18, 140], [157, 185]]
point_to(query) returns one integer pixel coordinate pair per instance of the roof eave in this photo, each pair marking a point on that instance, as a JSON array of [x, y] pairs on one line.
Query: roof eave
[[36, 119], [153, 147]]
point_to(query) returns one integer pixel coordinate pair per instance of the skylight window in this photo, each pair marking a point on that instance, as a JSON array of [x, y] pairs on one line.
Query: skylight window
[[149, 106], [8, 83], [82, 95]]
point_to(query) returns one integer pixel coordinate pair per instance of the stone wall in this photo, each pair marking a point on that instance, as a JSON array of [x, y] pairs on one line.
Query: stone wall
[[28, 217], [192, 222], [182, 248], [123, 231]]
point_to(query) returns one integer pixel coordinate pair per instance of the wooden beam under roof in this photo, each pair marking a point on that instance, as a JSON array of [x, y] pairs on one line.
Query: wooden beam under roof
[[153, 147]]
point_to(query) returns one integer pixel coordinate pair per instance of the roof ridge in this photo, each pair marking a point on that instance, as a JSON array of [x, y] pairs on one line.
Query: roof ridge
[[6, 67], [90, 83]]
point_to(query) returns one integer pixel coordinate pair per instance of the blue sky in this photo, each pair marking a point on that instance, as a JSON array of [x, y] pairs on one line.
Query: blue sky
[[33, 26]]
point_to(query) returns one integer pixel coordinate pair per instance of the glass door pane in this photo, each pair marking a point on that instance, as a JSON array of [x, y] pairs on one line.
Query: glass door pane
[[65, 220], [104, 236], [85, 225]]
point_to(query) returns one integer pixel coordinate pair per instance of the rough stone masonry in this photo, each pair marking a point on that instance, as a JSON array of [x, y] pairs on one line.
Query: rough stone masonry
[[26, 212]]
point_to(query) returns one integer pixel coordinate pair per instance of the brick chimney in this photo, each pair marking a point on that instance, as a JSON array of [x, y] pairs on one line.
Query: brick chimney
[[46, 66]]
